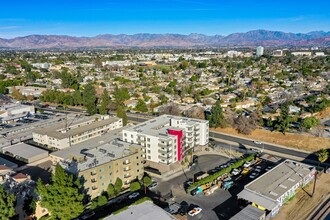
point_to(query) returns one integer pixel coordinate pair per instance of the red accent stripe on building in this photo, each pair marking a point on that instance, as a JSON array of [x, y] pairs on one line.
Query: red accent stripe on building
[[179, 134]]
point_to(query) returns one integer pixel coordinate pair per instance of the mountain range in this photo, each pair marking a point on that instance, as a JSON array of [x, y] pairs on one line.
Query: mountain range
[[248, 39]]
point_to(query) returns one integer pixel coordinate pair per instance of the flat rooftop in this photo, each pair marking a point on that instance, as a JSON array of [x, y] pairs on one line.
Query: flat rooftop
[[266, 189], [75, 150], [58, 132], [96, 151], [157, 126], [280, 179], [25, 151], [144, 211], [249, 213]]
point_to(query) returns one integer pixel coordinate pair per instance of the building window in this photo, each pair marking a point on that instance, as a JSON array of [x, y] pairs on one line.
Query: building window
[[148, 151], [149, 157], [110, 173], [148, 145], [137, 164], [117, 171], [131, 136], [138, 170], [125, 134], [148, 139], [137, 157], [110, 166], [101, 170]]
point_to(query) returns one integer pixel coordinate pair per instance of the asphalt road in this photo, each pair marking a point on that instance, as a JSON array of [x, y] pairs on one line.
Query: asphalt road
[[270, 147]]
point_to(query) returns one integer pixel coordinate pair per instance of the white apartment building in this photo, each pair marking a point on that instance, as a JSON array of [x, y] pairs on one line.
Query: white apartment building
[[13, 112], [302, 53], [167, 139], [65, 135]]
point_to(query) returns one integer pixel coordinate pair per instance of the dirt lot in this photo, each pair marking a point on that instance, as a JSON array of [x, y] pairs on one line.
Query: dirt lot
[[302, 204], [323, 114], [303, 142]]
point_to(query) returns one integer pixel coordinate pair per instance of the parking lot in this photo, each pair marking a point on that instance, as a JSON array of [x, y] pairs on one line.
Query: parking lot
[[222, 204]]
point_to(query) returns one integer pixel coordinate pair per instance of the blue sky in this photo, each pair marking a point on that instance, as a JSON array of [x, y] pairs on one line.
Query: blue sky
[[93, 17]]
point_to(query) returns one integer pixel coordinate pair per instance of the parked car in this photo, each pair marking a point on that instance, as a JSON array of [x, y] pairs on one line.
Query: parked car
[[257, 169], [153, 185], [195, 211], [247, 164], [133, 195], [257, 142], [254, 175], [236, 171], [269, 168]]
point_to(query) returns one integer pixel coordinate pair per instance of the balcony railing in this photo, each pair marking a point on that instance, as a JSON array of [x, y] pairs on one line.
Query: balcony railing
[[94, 180], [127, 168], [93, 173], [126, 162], [165, 151], [127, 176]]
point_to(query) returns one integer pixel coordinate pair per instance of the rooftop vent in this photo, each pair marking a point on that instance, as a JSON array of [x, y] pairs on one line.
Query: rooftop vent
[[89, 155], [102, 150], [111, 155], [273, 193]]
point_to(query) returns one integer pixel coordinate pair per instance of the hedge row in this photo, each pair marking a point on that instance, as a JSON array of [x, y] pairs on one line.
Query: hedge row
[[214, 176]]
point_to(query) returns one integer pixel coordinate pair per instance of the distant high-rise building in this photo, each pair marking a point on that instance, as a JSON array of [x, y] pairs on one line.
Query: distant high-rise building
[[260, 51]]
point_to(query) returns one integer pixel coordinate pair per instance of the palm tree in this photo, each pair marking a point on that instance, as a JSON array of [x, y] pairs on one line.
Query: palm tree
[[323, 155]]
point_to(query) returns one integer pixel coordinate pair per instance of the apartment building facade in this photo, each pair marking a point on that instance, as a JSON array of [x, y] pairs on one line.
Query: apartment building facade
[[104, 164], [63, 135], [167, 139]]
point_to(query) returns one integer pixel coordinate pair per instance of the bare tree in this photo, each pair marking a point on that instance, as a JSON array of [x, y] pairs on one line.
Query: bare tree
[[246, 125], [170, 109], [196, 112]]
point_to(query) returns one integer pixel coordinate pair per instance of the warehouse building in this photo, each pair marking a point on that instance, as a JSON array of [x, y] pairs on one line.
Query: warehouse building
[[274, 188], [25, 152]]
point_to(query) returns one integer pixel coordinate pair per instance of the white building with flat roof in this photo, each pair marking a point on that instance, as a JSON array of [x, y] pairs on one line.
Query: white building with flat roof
[[64, 135], [271, 190], [13, 112], [260, 51], [167, 139]]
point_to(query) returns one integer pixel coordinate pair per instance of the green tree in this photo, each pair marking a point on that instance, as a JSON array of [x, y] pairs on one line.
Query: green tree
[[323, 155], [98, 202], [146, 182], [118, 185], [184, 64], [134, 186], [105, 101], [283, 121], [111, 190], [62, 197], [7, 204], [122, 114], [308, 123], [89, 99], [216, 119], [141, 106], [120, 95]]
